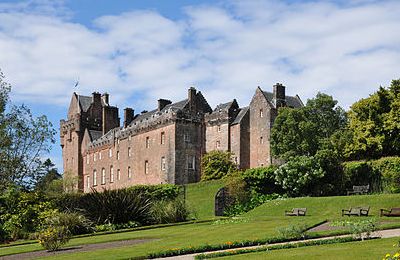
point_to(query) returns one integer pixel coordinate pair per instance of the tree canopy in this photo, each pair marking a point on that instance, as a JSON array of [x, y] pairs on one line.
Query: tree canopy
[[24, 139], [303, 131]]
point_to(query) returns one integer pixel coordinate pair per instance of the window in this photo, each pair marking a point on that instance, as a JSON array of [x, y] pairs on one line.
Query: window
[[117, 141], [261, 113], [87, 159], [186, 137], [103, 176], [88, 182], [163, 166], [129, 173], [129, 152], [111, 174], [95, 157], [117, 155], [219, 128], [129, 138], [217, 144], [73, 161], [147, 142], [110, 152], [162, 137], [99, 155], [119, 174], [191, 162], [261, 140], [236, 160], [146, 167], [94, 178]]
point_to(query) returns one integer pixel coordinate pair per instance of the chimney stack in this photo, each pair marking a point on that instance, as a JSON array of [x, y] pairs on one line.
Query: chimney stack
[[129, 115], [191, 94], [105, 98], [96, 97], [279, 95], [162, 103]]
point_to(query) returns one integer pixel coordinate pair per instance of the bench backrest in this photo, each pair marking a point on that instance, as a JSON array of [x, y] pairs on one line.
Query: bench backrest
[[395, 210], [364, 188], [299, 210]]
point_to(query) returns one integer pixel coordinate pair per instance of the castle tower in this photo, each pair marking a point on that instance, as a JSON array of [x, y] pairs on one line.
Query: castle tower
[[85, 113]]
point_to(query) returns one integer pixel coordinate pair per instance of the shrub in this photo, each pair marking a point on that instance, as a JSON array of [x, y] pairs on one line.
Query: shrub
[[53, 237], [360, 229], [361, 173], [112, 227], [216, 164], [389, 169], [76, 223], [3, 234], [293, 232], [169, 211], [261, 180], [298, 175], [116, 206]]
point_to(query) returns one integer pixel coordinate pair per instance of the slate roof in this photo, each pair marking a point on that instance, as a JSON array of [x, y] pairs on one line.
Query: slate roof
[[223, 106], [291, 101], [240, 115], [84, 102], [94, 135], [174, 106]]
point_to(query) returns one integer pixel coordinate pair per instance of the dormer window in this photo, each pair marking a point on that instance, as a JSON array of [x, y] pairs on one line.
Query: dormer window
[[261, 113]]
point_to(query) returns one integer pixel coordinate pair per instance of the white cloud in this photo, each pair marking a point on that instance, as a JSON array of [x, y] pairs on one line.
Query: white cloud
[[227, 50]]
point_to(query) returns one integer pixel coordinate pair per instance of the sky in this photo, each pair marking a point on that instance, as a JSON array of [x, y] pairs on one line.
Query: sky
[[140, 51]]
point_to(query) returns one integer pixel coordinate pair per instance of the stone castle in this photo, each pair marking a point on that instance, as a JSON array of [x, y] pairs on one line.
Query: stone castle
[[166, 144]]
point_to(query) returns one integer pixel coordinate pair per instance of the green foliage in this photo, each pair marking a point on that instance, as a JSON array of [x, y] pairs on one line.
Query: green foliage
[[375, 124], [113, 227], [216, 164], [382, 174], [361, 229], [298, 175], [303, 131], [261, 180], [52, 238], [76, 223], [23, 141], [21, 212], [293, 232], [115, 206], [169, 211], [157, 192]]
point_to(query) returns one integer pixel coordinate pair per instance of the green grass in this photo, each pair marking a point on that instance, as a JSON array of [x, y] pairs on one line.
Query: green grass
[[371, 249], [200, 197], [329, 207], [262, 222]]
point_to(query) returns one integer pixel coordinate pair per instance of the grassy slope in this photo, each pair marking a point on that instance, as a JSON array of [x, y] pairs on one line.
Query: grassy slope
[[262, 222], [329, 207], [200, 197], [372, 249]]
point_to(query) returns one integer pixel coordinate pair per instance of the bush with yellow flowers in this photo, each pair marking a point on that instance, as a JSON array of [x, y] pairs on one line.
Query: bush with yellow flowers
[[53, 237]]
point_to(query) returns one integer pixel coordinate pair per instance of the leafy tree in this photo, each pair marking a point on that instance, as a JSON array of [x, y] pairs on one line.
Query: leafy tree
[[49, 176], [303, 131], [375, 124], [23, 141], [216, 164]]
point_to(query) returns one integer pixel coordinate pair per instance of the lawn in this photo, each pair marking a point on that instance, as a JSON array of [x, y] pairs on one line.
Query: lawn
[[260, 223], [371, 249]]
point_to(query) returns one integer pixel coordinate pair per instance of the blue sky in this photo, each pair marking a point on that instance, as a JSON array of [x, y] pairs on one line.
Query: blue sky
[[140, 51]]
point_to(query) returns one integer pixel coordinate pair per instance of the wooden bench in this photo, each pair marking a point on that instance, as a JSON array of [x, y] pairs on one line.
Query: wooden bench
[[357, 211], [296, 212], [393, 212], [359, 190]]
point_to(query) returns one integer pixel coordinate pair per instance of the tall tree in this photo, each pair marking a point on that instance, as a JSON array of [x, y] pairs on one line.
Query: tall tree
[[375, 124], [23, 141], [303, 131]]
